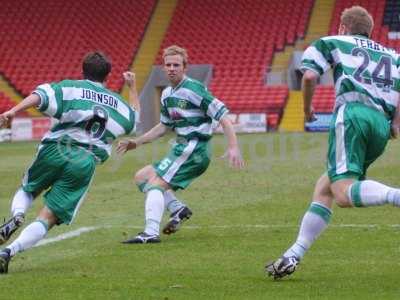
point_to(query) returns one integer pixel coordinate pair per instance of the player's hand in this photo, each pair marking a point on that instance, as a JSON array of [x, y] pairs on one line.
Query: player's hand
[[394, 131], [6, 117], [130, 78], [126, 145], [234, 157], [309, 116]]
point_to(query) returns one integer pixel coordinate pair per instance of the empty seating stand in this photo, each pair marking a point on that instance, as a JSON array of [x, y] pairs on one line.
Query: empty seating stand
[[6, 104], [391, 17], [44, 41], [323, 99], [239, 38], [391, 22]]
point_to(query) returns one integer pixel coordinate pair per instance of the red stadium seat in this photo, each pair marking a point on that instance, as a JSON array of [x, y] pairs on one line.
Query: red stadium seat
[[323, 99], [239, 37], [43, 40], [6, 103]]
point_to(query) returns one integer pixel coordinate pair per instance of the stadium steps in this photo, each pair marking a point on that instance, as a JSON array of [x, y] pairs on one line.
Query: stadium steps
[[293, 115], [281, 59], [12, 94], [318, 26], [151, 43], [319, 22]]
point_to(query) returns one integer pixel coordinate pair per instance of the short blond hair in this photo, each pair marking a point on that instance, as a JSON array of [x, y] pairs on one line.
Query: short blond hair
[[176, 50], [357, 20]]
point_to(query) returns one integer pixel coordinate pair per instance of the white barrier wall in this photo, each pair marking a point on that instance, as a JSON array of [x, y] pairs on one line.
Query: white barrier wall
[[5, 135], [247, 123], [26, 129]]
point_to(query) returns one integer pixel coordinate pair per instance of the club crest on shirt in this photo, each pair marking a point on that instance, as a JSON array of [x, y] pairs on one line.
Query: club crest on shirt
[[182, 104]]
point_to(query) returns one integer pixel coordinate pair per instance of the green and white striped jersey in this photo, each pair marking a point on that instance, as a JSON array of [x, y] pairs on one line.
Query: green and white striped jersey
[[89, 115], [189, 109], [363, 70]]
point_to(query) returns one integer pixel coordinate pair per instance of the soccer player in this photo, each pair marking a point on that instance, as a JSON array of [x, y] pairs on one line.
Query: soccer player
[[89, 117], [366, 112], [188, 109]]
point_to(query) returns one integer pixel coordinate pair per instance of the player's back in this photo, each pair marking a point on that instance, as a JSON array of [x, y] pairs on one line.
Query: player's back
[[89, 115], [363, 70]]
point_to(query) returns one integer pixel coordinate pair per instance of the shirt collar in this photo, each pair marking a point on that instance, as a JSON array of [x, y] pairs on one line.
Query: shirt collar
[[96, 83], [180, 83]]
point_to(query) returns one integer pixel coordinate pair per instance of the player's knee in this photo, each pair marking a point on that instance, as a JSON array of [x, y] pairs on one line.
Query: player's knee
[[47, 218], [343, 203], [140, 182], [144, 174], [322, 193], [138, 178], [340, 193], [159, 182], [322, 189]]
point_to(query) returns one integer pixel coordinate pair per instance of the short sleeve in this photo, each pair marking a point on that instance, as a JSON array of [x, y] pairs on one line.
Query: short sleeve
[[213, 107], [134, 120], [397, 82], [50, 99], [317, 58]]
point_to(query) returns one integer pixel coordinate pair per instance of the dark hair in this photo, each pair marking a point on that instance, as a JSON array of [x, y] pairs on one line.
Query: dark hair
[[96, 66]]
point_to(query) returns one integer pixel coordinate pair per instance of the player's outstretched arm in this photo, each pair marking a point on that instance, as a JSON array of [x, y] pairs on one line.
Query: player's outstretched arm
[[30, 101], [128, 144], [308, 83], [130, 80], [233, 152]]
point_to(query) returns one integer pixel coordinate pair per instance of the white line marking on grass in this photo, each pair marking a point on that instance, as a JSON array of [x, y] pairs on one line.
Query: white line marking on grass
[[268, 226], [81, 230], [67, 235]]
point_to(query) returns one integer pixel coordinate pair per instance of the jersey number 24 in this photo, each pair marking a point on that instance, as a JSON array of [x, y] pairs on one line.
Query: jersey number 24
[[384, 64]]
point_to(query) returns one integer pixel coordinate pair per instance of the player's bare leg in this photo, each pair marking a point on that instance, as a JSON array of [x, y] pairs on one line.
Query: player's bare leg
[[364, 193]]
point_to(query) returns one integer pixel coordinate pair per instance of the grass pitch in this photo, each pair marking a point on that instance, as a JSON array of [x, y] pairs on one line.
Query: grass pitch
[[242, 219]]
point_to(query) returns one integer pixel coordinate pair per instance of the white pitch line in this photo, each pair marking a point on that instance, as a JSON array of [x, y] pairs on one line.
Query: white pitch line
[[268, 226], [265, 226], [81, 230], [66, 235]]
